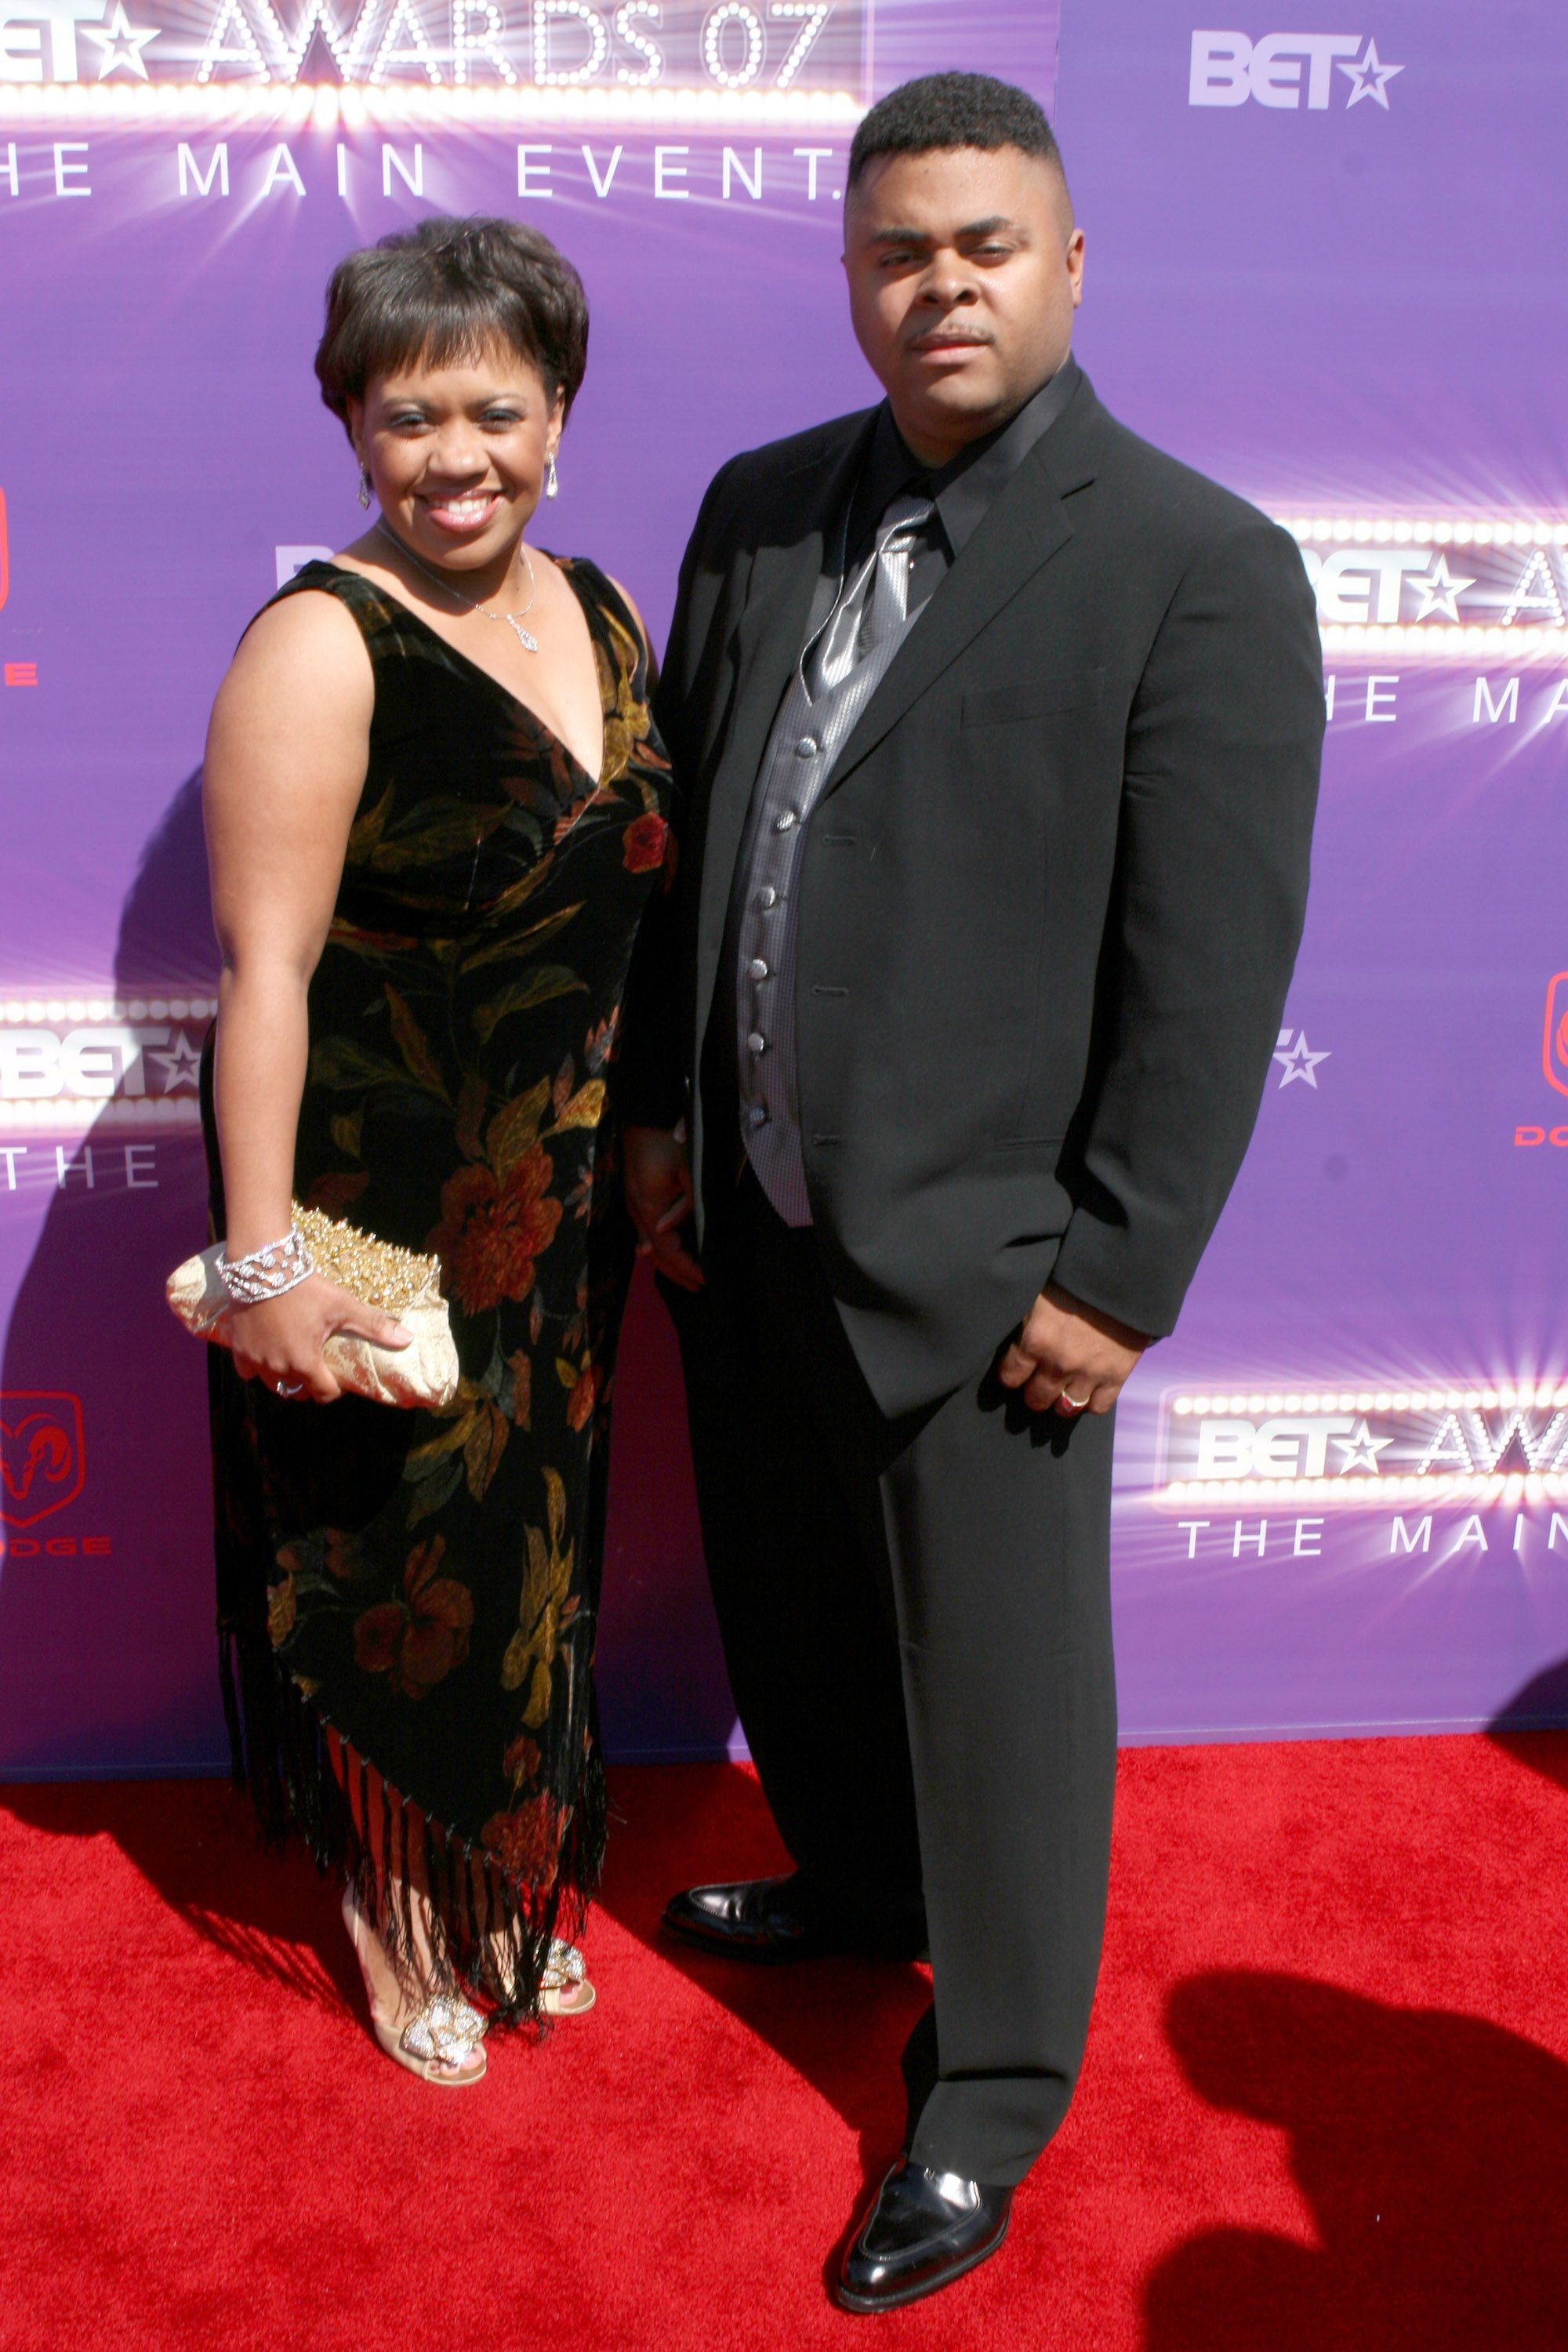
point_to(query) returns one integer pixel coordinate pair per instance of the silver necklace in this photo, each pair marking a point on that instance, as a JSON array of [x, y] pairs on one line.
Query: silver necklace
[[513, 621]]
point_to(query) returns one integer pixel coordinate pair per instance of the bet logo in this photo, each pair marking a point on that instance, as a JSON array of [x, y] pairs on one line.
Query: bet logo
[[1280, 69]]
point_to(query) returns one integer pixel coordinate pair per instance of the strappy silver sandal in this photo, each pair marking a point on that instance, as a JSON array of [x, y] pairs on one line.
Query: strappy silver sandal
[[565, 1988], [439, 2043]]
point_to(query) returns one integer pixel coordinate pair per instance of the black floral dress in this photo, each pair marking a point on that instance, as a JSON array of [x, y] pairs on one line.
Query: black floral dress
[[407, 1600]]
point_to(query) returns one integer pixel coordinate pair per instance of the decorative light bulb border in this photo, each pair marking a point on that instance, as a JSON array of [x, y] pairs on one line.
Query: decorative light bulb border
[[1511, 568], [1326, 1446], [641, 99]]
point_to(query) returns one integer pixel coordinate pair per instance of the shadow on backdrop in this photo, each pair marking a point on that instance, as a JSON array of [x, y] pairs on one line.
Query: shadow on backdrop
[[107, 1656], [1432, 2151], [106, 1612]]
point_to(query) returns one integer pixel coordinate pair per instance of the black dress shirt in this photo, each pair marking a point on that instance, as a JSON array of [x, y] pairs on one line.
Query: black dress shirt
[[965, 489]]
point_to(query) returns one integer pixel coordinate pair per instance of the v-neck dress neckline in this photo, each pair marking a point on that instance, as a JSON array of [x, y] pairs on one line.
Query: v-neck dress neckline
[[535, 718]]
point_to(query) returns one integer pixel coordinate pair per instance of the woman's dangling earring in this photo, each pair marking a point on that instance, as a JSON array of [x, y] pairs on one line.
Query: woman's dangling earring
[[552, 480], [364, 486]]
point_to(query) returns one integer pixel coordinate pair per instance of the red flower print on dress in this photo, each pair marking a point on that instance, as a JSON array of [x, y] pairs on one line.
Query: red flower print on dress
[[643, 843], [585, 1392], [527, 1842], [419, 1639], [493, 1228], [582, 1383], [337, 1193]]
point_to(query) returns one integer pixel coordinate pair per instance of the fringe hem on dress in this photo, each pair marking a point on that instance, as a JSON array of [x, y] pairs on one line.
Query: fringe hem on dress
[[489, 1932]]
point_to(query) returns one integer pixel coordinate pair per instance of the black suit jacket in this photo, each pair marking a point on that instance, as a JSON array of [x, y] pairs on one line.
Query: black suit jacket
[[1049, 900]]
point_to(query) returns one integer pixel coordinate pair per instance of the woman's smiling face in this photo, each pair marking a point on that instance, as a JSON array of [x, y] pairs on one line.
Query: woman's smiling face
[[457, 454]]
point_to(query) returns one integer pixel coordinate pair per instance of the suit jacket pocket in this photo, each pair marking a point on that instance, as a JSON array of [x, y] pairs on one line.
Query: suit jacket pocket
[[1035, 698]]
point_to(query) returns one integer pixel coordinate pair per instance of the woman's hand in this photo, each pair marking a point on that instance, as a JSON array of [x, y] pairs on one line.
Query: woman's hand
[[279, 1340]]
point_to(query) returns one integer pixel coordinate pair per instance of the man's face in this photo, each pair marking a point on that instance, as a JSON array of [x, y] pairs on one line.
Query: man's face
[[964, 270]]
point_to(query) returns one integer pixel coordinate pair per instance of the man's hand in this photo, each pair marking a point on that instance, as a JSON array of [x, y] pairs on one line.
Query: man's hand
[[1069, 1357], [659, 1195]]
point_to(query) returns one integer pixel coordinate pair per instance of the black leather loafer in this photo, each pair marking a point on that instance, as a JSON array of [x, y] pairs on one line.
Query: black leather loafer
[[925, 2229], [751, 1919], [795, 1919]]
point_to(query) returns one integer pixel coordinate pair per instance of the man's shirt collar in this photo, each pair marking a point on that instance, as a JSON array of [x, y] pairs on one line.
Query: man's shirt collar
[[968, 486]]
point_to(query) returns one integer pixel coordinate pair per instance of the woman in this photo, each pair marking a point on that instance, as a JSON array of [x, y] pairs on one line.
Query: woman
[[435, 808]]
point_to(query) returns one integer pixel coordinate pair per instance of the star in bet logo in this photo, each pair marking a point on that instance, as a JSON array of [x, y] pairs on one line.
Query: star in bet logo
[[1360, 1448], [1439, 589], [181, 1064], [1297, 1060], [1369, 76], [120, 44]]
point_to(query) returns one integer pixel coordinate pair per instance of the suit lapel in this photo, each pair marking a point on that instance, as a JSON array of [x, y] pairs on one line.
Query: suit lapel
[[1025, 528], [778, 597]]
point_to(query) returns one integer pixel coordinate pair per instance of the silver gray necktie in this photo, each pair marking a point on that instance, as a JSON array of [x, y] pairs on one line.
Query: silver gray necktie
[[876, 602]]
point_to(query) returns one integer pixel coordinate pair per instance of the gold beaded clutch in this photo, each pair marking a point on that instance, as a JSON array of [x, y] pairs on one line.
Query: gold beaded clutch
[[399, 1281]]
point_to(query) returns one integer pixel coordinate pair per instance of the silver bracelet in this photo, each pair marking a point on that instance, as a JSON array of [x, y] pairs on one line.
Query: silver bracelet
[[267, 1273]]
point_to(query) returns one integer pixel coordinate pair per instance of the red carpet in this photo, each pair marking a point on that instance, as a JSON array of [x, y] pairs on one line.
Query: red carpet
[[1325, 2103]]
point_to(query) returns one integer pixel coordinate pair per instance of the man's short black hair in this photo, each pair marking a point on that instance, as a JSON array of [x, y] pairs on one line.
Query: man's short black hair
[[952, 110]]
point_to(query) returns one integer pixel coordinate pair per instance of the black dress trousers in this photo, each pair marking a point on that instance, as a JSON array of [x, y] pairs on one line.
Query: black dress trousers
[[916, 1619]]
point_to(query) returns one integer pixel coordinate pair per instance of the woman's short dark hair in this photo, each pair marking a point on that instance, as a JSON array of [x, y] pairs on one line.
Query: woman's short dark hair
[[951, 110], [442, 290]]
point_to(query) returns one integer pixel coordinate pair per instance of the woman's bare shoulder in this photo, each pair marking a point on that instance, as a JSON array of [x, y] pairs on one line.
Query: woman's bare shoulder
[[305, 644]]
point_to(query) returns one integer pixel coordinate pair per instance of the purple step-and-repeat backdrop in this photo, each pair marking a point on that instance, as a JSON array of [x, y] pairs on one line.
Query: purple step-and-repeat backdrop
[[1327, 266]]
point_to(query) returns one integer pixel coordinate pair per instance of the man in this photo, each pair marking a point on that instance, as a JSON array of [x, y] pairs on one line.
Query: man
[[997, 737]]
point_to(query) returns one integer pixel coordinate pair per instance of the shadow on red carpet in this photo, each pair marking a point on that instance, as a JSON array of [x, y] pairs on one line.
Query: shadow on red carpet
[[1325, 2102], [267, 1913], [841, 2024], [1431, 2149], [1542, 1702]]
